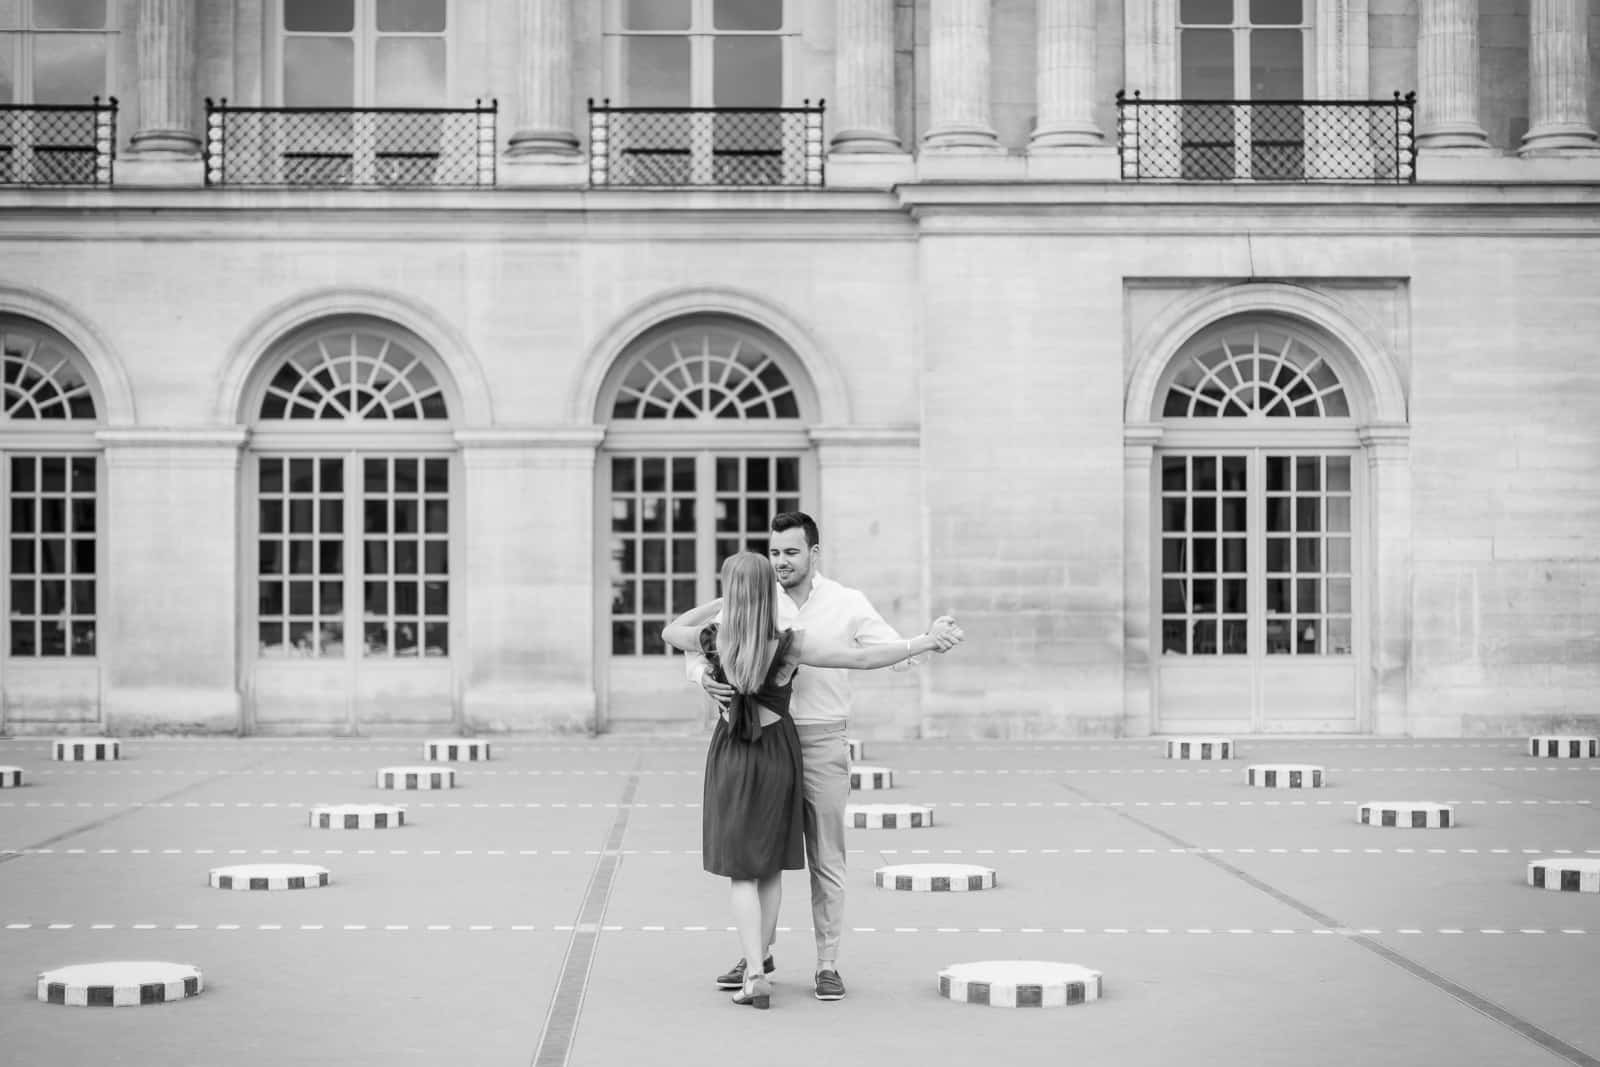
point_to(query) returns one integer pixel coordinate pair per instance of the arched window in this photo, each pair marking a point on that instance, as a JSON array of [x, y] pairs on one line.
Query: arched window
[[1252, 372], [706, 441], [353, 519], [51, 485]]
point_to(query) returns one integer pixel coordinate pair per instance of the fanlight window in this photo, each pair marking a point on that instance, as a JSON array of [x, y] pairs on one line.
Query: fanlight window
[[706, 373], [41, 378], [1255, 373], [353, 375]]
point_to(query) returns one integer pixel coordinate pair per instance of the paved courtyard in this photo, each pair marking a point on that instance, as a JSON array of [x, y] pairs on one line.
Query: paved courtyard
[[551, 909]]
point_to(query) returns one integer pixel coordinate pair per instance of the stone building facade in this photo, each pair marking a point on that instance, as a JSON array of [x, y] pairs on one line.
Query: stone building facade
[[1257, 402]]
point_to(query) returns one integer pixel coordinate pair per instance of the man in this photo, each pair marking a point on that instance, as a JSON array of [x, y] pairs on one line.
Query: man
[[820, 708]]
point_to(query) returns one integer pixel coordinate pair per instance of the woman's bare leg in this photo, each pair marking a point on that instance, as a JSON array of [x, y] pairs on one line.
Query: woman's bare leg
[[770, 892], [747, 917]]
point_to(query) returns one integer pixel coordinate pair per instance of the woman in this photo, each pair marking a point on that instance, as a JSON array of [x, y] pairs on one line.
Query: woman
[[752, 816]]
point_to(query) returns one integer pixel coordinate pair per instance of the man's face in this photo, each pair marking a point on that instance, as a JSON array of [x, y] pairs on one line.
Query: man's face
[[791, 557]]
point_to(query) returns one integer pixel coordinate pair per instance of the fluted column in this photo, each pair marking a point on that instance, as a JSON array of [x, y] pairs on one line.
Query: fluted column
[[1558, 78], [864, 77], [958, 82], [165, 39], [1447, 75], [1065, 84], [544, 120]]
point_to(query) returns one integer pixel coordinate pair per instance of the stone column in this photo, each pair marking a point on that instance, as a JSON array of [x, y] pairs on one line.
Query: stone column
[[543, 149], [165, 36], [1140, 647], [863, 106], [958, 80], [1558, 78], [1447, 75], [1066, 65], [1388, 450]]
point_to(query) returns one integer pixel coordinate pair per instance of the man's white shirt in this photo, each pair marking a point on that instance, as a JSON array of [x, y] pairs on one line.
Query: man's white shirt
[[835, 614]]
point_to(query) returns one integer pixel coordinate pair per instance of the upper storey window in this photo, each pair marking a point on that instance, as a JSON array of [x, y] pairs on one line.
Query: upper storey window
[[702, 53], [364, 53], [55, 51], [1244, 49]]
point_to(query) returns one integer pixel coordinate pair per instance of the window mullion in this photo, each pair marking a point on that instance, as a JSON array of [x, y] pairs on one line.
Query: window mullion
[[705, 522]]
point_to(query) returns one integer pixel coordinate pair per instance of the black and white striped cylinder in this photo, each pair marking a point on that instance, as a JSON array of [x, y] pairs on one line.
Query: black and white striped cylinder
[[1284, 776], [1580, 874], [1407, 814], [456, 749], [888, 816], [10, 777], [120, 984], [1199, 748], [934, 877], [269, 876], [417, 778], [1020, 984], [1564, 746], [858, 749], [85, 749], [864, 776], [356, 817]]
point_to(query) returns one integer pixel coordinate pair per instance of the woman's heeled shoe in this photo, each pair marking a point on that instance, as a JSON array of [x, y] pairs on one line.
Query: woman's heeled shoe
[[756, 992]]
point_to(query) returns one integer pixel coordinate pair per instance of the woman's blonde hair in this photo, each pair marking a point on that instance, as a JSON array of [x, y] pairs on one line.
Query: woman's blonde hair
[[749, 620]]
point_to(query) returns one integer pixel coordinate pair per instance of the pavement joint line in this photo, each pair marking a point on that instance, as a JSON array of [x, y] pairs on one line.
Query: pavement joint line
[[566, 1003], [592, 928], [1106, 851], [1480, 1004]]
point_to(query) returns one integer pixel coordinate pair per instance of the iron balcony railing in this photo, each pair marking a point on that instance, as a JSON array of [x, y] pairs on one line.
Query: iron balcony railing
[[1270, 141], [58, 144], [374, 147], [715, 146]]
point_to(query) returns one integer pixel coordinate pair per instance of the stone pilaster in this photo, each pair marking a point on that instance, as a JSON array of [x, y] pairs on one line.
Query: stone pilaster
[[1447, 76], [1139, 656], [169, 601], [543, 149], [165, 149], [1388, 451], [530, 580], [958, 81], [1558, 79]]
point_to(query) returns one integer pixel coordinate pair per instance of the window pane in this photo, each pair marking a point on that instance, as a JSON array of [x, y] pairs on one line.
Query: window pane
[[1275, 12], [1205, 12], [8, 77], [747, 14], [319, 16], [1207, 64], [1277, 65], [656, 14], [657, 71], [411, 72], [417, 16], [69, 14], [747, 72], [68, 68], [318, 72]]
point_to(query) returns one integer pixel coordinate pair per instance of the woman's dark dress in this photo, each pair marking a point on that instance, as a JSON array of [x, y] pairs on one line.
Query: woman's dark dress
[[753, 812]]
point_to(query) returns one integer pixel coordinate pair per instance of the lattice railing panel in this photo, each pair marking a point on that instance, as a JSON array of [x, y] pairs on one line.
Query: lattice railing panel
[[706, 146]]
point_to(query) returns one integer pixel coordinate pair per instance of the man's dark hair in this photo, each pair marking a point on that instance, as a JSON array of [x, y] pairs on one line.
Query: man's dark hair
[[788, 520]]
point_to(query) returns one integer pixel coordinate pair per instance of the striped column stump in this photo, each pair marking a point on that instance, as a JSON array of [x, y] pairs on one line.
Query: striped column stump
[[119, 984], [84, 749], [858, 749], [934, 877], [864, 777], [1020, 984], [451, 749], [268, 876], [1283, 776], [1199, 748], [417, 778], [1581, 875], [1407, 814], [1564, 746], [10, 777], [888, 816], [356, 817]]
